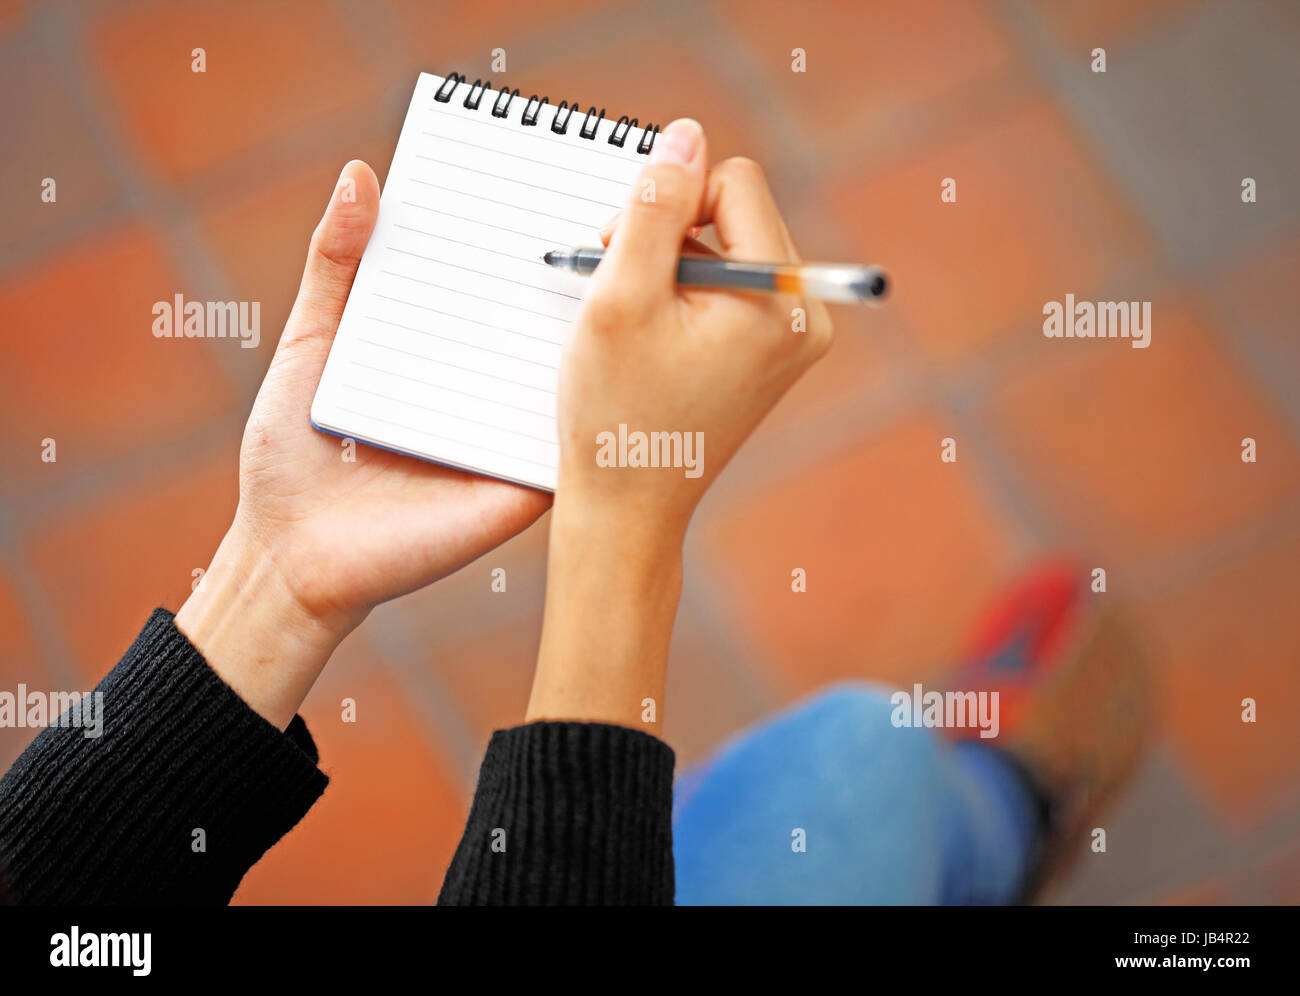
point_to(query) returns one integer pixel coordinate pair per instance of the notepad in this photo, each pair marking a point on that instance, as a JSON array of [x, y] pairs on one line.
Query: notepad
[[449, 346]]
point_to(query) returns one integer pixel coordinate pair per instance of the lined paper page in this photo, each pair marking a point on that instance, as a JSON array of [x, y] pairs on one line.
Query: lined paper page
[[449, 346]]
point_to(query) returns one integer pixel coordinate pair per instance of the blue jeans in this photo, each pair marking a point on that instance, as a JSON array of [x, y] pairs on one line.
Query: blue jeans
[[885, 815]]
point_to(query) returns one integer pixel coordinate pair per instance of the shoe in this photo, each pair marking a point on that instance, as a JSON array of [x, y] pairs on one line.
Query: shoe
[[1074, 702]]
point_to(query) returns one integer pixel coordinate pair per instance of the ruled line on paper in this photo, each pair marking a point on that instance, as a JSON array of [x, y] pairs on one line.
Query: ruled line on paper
[[448, 439], [467, 345], [472, 321], [531, 260], [439, 411], [493, 276], [527, 159], [517, 207], [443, 387], [457, 290], [522, 183], [456, 366], [479, 221]]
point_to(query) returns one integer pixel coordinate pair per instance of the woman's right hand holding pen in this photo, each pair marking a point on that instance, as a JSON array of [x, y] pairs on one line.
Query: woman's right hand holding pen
[[647, 356]]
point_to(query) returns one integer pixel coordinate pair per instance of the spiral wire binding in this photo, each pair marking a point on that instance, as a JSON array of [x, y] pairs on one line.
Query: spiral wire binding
[[501, 109]]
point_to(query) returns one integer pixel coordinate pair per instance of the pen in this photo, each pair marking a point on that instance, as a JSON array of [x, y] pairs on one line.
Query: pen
[[846, 282]]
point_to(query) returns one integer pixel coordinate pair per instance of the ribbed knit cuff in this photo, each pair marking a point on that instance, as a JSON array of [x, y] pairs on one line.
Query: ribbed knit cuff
[[116, 819], [568, 814]]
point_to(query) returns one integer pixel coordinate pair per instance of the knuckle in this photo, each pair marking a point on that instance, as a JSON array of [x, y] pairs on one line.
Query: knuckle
[[744, 170], [322, 247], [333, 247]]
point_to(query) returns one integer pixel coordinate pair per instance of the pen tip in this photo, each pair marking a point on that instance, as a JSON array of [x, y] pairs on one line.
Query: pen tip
[[872, 286], [548, 258]]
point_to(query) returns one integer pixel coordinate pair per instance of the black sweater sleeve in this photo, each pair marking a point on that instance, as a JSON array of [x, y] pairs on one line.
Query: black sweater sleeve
[[584, 808], [113, 819], [568, 814]]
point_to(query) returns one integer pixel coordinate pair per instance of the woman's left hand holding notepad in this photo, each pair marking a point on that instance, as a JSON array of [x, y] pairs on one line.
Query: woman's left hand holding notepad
[[326, 528]]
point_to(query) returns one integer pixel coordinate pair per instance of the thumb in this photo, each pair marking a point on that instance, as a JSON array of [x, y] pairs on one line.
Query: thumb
[[332, 259], [662, 205]]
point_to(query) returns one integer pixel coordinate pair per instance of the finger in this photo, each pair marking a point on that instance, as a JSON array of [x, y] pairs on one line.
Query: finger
[[694, 247], [611, 226], [691, 246], [662, 204], [739, 204], [790, 249], [749, 226], [608, 230], [332, 259]]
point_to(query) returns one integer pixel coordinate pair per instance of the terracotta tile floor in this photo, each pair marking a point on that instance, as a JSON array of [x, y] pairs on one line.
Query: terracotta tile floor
[[209, 185]]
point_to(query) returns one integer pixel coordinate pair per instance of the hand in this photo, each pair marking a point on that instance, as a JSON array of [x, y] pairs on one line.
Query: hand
[[656, 358], [316, 541]]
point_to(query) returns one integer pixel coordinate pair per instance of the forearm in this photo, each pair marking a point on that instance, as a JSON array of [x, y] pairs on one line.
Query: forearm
[[575, 807], [613, 583], [181, 791]]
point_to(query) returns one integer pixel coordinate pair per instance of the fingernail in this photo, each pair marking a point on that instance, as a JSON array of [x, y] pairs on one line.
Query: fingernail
[[609, 225], [678, 142]]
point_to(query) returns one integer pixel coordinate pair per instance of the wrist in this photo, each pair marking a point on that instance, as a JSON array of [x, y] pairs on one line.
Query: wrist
[[613, 583], [639, 524], [246, 621]]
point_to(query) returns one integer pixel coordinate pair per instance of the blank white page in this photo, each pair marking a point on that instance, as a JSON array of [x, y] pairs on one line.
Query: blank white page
[[449, 346]]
